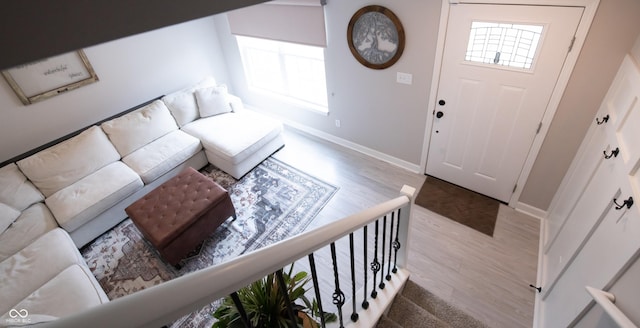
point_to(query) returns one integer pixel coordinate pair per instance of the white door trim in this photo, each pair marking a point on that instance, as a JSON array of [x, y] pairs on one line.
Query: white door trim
[[590, 7]]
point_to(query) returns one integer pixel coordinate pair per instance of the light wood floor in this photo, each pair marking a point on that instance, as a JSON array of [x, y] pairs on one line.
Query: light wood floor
[[487, 277]]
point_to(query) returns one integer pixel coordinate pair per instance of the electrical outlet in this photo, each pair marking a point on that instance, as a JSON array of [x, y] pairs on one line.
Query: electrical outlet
[[404, 78], [337, 123]]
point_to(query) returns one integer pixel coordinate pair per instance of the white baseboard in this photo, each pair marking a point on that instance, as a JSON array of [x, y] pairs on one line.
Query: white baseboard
[[531, 210], [538, 312], [354, 146]]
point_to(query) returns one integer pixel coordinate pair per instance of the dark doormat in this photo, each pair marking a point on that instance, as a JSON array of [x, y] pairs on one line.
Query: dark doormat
[[459, 204]]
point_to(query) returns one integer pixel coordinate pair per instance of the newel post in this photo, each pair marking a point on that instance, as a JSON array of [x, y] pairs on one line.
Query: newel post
[[403, 228]]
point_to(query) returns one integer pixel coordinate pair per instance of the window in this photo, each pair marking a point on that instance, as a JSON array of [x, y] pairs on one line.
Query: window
[[512, 45], [286, 69]]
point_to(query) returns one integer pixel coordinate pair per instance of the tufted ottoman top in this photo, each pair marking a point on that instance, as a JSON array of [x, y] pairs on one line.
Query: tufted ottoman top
[[172, 207]]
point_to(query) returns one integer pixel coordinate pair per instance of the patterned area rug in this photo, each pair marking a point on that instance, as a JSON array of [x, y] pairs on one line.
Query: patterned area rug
[[273, 201]]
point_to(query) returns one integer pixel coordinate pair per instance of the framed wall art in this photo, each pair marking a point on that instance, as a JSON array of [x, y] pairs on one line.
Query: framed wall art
[[42, 79], [376, 37]]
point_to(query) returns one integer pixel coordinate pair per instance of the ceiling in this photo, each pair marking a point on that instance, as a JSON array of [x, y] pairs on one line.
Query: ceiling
[[32, 30]]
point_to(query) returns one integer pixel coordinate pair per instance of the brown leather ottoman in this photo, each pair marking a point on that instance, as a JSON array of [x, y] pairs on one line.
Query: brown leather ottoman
[[180, 213]]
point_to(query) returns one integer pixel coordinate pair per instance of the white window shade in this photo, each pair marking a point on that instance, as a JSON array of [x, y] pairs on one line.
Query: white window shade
[[298, 21]]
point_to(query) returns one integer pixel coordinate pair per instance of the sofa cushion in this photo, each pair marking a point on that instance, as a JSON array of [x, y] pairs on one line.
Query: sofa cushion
[[131, 131], [234, 136], [69, 161], [213, 101], [8, 214], [16, 191], [182, 104], [71, 291], [82, 201], [29, 269], [162, 155], [32, 223]]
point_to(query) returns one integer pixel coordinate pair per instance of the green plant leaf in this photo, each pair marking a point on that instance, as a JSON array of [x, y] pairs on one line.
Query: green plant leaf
[[266, 306]]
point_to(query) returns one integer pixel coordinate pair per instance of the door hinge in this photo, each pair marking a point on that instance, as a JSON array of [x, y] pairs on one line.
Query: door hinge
[[515, 187], [571, 43], [539, 128]]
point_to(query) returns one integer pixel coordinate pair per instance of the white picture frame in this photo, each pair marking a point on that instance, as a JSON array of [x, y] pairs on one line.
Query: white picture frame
[[43, 79]]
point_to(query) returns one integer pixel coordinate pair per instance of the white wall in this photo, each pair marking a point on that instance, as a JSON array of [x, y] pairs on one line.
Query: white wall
[[131, 71], [374, 110]]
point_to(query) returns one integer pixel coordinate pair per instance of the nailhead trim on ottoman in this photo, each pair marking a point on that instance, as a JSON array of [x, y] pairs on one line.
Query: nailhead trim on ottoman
[[180, 213]]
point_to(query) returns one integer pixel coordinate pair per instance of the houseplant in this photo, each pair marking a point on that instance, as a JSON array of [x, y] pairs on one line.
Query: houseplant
[[265, 305]]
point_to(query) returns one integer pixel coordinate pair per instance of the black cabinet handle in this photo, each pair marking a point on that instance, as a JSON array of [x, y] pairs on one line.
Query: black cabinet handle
[[614, 153], [626, 203], [604, 119]]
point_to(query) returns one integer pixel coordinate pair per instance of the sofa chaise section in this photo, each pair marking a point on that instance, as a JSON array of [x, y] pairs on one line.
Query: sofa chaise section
[[234, 139], [236, 142]]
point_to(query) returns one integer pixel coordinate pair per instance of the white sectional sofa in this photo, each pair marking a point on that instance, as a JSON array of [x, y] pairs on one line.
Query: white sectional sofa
[[58, 199]]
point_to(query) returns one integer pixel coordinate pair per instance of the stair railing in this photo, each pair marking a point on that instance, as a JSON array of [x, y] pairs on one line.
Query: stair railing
[[164, 303], [606, 301]]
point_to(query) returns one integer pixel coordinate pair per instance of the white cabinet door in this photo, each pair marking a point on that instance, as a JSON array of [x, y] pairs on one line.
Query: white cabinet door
[[624, 109], [593, 231], [587, 160], [612, 245], [588, 211]]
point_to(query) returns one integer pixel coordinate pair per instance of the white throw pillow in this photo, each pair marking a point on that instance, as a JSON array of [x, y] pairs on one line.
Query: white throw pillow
[[133, 130], [182, 105], [8, 215], [213, 101], [69, 161], [15, 190]]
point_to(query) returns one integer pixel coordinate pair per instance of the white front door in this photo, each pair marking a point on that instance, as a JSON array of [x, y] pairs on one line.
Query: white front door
[[499, 68]]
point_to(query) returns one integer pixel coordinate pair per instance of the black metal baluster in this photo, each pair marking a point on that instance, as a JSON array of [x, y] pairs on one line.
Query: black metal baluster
[[375, 265], [283, 289], [388, 277], [241, 311], [316, 289], [354, 315], [365, 304], [396, 244], [338, 295], [384, 239]]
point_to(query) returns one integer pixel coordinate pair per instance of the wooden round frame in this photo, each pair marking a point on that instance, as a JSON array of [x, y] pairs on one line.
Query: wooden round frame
[[398, 27]]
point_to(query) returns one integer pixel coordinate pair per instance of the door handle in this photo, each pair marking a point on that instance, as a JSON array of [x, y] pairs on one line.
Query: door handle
[[626, 203], [604, 119], [614, 153], [439, 114]]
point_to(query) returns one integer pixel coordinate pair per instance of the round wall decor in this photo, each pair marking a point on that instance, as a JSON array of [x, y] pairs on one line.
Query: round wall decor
[[375, 37]]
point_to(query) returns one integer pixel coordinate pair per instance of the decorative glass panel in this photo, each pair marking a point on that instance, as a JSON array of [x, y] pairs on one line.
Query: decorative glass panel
[[512, 45]]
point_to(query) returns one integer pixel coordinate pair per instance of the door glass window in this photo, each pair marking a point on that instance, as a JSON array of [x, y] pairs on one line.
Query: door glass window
[[504, 44]]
